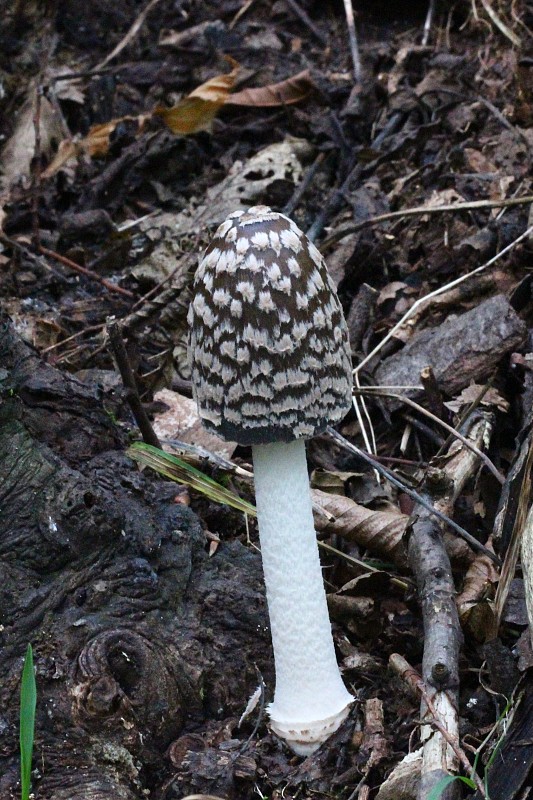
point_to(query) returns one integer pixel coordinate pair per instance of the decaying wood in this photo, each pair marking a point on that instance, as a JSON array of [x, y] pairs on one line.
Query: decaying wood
[[431, 566], [527, 564], [461, 349], [136, 632]]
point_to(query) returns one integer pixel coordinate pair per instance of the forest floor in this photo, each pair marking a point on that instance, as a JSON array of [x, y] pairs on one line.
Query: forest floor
[[128, 132]]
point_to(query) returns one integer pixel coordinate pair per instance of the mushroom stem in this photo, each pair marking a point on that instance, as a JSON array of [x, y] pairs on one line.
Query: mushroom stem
[[310, 699]]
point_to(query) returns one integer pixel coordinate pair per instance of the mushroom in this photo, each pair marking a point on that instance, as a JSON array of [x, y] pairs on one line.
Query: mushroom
[[270, 363]]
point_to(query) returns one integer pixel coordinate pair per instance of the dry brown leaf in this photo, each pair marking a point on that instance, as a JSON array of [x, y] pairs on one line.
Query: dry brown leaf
[[474, 605], [190, 115], [95, 144], [216, 90], [469, 395], [197, 111], [67, 149], [180, 421], [20, 147], [194, 113], [380, 531], [289, 91], [480, 579]]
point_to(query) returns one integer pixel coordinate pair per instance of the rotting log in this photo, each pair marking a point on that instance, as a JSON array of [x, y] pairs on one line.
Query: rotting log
[[137, 634]]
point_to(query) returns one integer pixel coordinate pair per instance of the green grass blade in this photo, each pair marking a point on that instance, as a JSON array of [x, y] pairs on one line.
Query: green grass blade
[[28, 701], [437, 790], [177, 470]]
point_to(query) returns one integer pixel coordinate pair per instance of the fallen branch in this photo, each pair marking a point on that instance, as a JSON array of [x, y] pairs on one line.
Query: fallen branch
[[414, 681], [418, 211], [94, 276], [443, 637]]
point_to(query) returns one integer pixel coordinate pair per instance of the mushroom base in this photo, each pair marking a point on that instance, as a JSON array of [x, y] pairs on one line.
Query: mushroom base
[[305, 737]]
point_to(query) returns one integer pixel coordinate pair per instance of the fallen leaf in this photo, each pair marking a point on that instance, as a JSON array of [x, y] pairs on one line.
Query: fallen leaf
[[470, 395], [194, 113], [382, 532], [197, 111], [95, 144], [19, 149], [180, 421], [291, 90]]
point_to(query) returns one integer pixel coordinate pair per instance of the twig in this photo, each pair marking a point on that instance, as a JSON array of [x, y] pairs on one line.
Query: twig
[[27, 251], [424, 300], [293, 5], [411, 677], [472, 541], [240, 13], [184, 264], [417, 211], [303, 185], [89, 329], [423, 428], [354, 48], [337, 197], [130, 35], [448, 428], [428, 22], [36, 183], [146, 308], [500, 24], [112, 287], [128, 379], [502, 119]]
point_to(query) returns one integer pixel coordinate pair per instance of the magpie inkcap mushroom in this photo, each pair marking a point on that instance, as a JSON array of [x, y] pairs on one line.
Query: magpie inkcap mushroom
[[270, 363]]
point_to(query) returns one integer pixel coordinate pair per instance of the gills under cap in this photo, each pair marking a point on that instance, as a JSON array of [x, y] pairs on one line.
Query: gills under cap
[[268, 344]]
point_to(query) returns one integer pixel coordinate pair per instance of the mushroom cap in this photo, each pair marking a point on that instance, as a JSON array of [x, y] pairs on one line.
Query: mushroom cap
[[268, 343]]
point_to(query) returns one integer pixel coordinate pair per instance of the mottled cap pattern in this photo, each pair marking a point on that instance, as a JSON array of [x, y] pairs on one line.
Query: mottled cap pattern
[[268, 345]]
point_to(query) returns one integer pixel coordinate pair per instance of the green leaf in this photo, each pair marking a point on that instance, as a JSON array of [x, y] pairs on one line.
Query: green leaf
[[177, 470], [28, 701], [444, 782]]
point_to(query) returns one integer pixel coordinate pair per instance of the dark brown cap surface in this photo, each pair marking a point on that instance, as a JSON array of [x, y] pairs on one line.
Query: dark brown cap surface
[[268, 346]]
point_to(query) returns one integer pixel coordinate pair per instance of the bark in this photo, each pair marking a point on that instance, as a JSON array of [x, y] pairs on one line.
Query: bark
[[431, 566], [461, 349], [442, 632], [138, 636]]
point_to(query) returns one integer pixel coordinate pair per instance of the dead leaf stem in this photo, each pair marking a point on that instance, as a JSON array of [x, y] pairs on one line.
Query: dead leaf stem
[[452, 431]]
